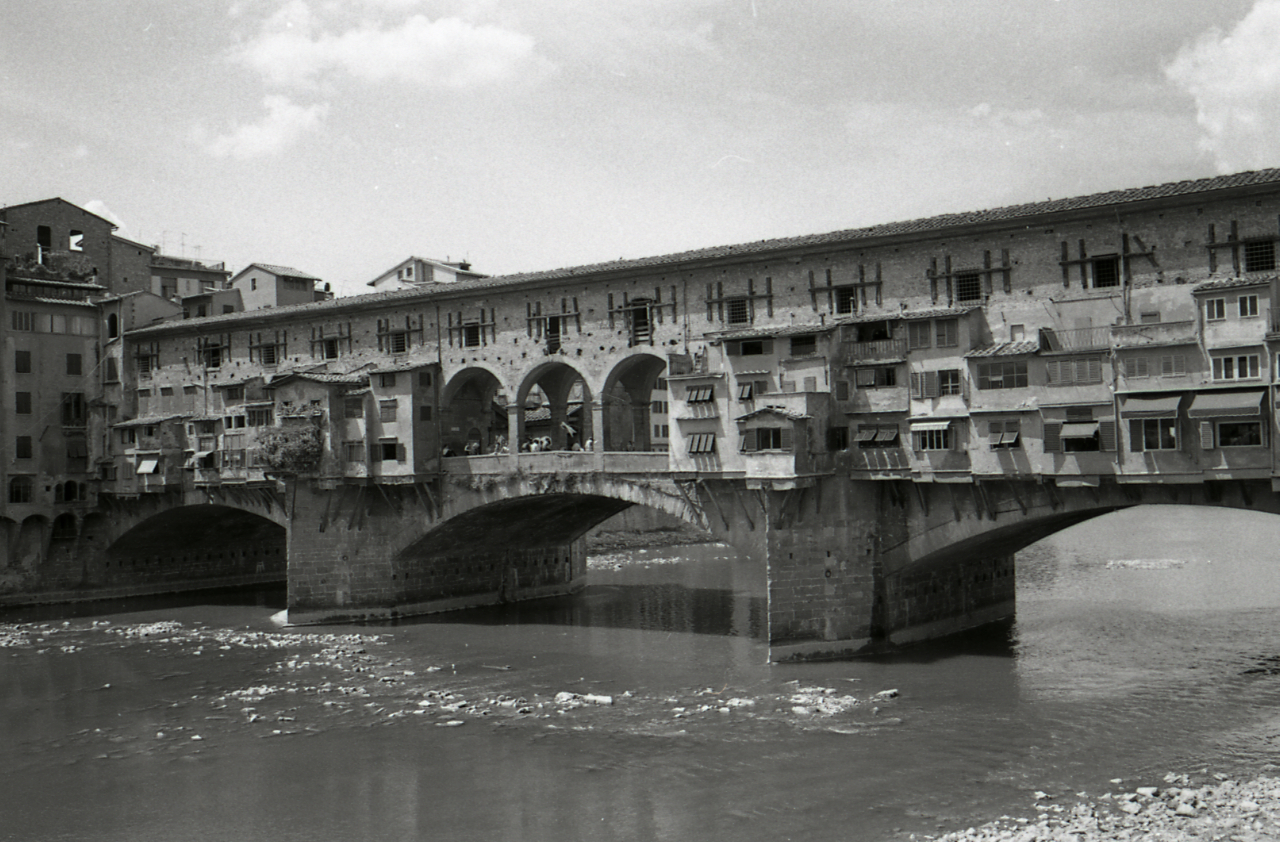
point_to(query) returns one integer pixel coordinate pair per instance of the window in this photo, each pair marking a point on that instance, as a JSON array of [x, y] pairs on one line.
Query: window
[[1260, 256], [658, 407], [1004, 434], [1248, 305], [261, 416], [267, 354], [353, 451], [738, 311], [77, 456], [949, 381], [424, 413], [919, 335], [872, 436], [21, 490], [23, 320], [767, 438], [1173, 365], [932, 384], [1215, 309], [837, 438], [553, 333], [22, 362], [22, 447], [213, 358], [1242, 367], [702, 443], [842, 390], [113, 326], [846, 299], [387, 381], [128, 436], [73, 409], [661, 431], [701, 394], [424, 379], [73, 363], [1136, 368], [471, 335], [353, 408], [968, 286], [22, 403], [329, 349], [1002, 375], [947, 332], [804, 346], [387, 411], [389, 450], [1106, 271], [1239, 433], [1153, 434], [877, 377], [746, 391], [754, 347], [75, 240], [233, 394], [233, 451], [112, 374], [1074, 371], [399, 342], [932, 439]]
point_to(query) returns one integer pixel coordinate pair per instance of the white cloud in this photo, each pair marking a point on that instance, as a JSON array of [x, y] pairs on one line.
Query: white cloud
[[284, 122], [297, 48], [1235, 81], [99, 208]]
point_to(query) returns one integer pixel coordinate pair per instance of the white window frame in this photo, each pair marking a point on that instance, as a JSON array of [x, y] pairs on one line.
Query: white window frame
[[1229, 367], [1248, 306], [1215, 309]]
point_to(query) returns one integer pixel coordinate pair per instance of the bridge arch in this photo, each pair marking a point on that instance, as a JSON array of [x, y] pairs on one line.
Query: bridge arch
[[625, 398], [566, 417], [470, 412], [192, 546]]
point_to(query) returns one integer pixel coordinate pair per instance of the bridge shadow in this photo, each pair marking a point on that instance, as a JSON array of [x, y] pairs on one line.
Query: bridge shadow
[[274, 597], [658, 607]]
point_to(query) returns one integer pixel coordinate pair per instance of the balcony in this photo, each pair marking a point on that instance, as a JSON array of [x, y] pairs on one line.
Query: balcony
[[1153, 333], [879, 349], [1081, 339]]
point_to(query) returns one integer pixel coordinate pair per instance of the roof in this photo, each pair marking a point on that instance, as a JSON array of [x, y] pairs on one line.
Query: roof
[[65, 202], [282, 271], [768, 332], [1233, 283], [775, 410], [907, 315], [353, 379], [407, 365], [852, 237], [146, 421], [1006, 349]]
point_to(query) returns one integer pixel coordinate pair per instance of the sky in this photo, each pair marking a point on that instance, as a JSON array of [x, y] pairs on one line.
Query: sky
[[342, 136]]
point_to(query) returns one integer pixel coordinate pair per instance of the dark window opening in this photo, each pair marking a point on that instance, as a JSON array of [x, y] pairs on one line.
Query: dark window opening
[[837, 438], [21, 490], [330, 349], [22, 447], [738, 311], [804, 346], [388, 451], [22, 362], [471, 335], [113, 326], [553, 333], [73, 363], [968, 286], [22, 403], [873, 332], [268, 354], [1260, 256], [1106, 272], [846, 300]]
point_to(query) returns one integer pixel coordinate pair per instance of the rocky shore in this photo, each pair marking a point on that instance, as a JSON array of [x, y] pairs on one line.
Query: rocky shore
[[1175, 810]]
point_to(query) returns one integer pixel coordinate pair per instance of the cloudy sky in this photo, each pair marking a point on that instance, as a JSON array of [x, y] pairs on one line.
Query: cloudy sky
[[340, 136]]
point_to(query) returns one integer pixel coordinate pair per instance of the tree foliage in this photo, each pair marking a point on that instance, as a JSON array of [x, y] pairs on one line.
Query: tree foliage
[[293, 448]]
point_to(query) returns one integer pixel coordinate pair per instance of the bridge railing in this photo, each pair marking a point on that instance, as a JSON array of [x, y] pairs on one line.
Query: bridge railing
[[556, 462], [1080, 339]]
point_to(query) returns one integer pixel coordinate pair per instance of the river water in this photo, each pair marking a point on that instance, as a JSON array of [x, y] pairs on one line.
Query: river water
[[1146, 641]]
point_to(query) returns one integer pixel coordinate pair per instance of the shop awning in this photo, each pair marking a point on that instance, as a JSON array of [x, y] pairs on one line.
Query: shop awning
[[1079, 431], [925, 426], [1222, 404], [148, 466], [887, 434], [1162, 406]]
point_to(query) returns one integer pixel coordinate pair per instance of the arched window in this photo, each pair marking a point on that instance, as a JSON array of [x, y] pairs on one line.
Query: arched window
[[113, 326], [20, 490], [57, 493]]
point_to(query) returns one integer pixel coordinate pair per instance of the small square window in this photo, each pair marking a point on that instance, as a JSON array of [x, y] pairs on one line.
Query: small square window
[[387, 381], [399, 342], [471, 335], [1248, 305], [968, 286], [1215, 309], [22, 362], [387, 411], [73, 363], [1260, 256], [737, 311]]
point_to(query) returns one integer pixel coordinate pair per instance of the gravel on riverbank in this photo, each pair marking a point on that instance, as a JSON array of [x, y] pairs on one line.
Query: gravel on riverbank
[[606, 542], [1176, 810]]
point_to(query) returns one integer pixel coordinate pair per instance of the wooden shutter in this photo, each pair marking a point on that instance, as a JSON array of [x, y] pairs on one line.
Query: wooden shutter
[[1107, 434], [400, 452], [1206, 435], [1094, 372], [766, 346], [917, 385], [788, 438], [1052, 437], [1052, 372], [750, 441], [1136, 440], [931, 384], [842, 390]]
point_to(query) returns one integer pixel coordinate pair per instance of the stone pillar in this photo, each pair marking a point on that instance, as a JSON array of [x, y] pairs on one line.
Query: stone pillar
[[515, 432], [597, 432]]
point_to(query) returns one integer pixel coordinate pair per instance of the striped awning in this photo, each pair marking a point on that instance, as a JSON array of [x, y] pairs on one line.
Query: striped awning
[[1079, 431], [1161, 406], [1225, 404], [926, 426]]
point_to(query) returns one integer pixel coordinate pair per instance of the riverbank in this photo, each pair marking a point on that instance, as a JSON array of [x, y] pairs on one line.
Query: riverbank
[[1175, 810], [620, 540]]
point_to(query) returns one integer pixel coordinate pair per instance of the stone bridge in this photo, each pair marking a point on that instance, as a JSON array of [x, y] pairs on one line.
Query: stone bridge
[[852, 565]]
